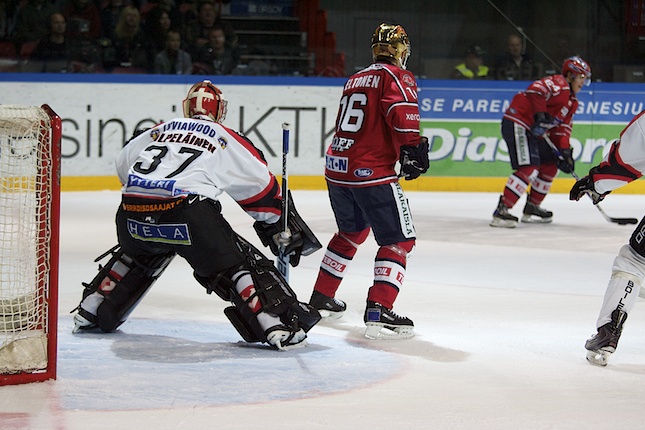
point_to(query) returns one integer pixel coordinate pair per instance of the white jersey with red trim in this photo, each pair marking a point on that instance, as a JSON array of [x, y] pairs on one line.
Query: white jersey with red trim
[[197, 156], [625, 161], [378, 113]]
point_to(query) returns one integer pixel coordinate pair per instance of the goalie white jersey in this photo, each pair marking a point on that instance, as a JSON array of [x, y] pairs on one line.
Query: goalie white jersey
[[197, 156], [625, 161]]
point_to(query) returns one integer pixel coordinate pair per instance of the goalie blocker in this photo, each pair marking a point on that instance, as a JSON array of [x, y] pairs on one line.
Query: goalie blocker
[[303, 240]]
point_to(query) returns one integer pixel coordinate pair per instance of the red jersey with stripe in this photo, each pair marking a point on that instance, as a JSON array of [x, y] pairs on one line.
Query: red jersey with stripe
[[553, 95], [625, 161], [197, 156], [378, 113]]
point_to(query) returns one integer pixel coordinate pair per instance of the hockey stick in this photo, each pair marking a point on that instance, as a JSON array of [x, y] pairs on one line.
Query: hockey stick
[[282, 263], [619, 221]]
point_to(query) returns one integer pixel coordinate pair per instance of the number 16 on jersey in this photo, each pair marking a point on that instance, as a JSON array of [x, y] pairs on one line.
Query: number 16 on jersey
[[282, 262]]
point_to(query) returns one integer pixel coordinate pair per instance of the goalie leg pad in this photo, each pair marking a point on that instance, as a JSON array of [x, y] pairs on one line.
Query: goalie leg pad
[[264, 295], [119, 286], [274, 292]]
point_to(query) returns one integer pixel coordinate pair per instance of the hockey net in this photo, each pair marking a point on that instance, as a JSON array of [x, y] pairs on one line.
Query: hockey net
[[29, 218]]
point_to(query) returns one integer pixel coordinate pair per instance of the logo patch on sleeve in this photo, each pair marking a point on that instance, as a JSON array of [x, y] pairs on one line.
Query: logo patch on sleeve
[[172, 234]]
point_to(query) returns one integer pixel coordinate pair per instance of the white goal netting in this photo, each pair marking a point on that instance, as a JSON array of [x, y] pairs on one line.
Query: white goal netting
[[25, 237]]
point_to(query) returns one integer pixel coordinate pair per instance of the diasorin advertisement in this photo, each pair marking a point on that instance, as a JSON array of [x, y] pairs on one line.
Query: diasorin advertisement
[[461, 120]]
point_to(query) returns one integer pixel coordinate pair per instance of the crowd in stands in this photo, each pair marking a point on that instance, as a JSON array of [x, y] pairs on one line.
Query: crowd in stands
[[116, 36], [513, 65]]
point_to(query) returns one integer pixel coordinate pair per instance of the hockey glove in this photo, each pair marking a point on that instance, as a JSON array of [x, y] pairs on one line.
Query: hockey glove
[[414, 159], [273, 236], [566, 163], [585, 186], [543, 122]]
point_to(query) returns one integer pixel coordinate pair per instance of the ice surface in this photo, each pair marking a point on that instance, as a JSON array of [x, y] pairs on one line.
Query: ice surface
[[501, 317]]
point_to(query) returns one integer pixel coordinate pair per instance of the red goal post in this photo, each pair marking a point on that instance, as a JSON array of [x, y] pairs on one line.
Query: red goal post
[[30, 139]]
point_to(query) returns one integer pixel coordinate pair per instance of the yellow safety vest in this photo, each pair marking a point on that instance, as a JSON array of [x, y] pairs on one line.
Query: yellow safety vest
[[481, 72]]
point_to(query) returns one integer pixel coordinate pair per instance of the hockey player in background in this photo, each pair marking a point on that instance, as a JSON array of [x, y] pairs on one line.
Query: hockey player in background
[[377, 125], [624, 163], [546, 107], [172, 175]]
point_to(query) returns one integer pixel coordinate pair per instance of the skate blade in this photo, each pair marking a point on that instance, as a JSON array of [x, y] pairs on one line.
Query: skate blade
[[81, 324], [599, 357], [383, 332], [329, 315], [278, 339], [506, 223], [531, 219], [291, 346]]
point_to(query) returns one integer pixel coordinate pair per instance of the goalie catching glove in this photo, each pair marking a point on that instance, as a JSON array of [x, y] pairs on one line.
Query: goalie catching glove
[[296, 241], [586, 186], [414, 159]]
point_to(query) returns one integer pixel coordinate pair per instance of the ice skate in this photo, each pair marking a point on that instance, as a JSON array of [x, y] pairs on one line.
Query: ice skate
[[83, 321], [328, 307], [535, 214], [383, 323], [502, 218], [602, 344], [284, 339]]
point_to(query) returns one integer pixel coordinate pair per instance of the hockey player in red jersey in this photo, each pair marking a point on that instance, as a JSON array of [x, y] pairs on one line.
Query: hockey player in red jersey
[[377, 125], [173, 175], [624, 163], [545, 108]]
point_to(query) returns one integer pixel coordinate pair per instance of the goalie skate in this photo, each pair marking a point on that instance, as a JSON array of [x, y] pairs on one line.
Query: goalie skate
[[82, 324], [383, 323], [284, 339]]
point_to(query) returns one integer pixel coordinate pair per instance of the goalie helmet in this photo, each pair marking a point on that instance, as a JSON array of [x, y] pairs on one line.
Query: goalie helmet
[[205, 99], [391, 42], [577, 66]]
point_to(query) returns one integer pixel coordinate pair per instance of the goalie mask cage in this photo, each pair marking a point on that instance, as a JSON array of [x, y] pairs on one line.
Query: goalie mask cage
[[29, 225]]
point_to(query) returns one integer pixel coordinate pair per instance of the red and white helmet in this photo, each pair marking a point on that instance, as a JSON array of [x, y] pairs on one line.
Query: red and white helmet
[[205, 99], [577, 66]]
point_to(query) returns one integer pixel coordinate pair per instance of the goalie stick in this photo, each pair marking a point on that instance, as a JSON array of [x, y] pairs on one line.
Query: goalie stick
[[282, 262], [619, 221]]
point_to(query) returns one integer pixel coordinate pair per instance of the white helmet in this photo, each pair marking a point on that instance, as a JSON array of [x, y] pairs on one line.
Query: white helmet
[[205, 99]]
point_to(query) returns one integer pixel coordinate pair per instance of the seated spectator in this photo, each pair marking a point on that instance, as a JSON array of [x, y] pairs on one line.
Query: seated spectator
[[216, 58], [84, 17], [173, 60], [196, 32], [32, 20], [169, 6], [110, 16], [52, 54], [130, 47], [157, 27], [515, 65], [472, 67], [5, 18]]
